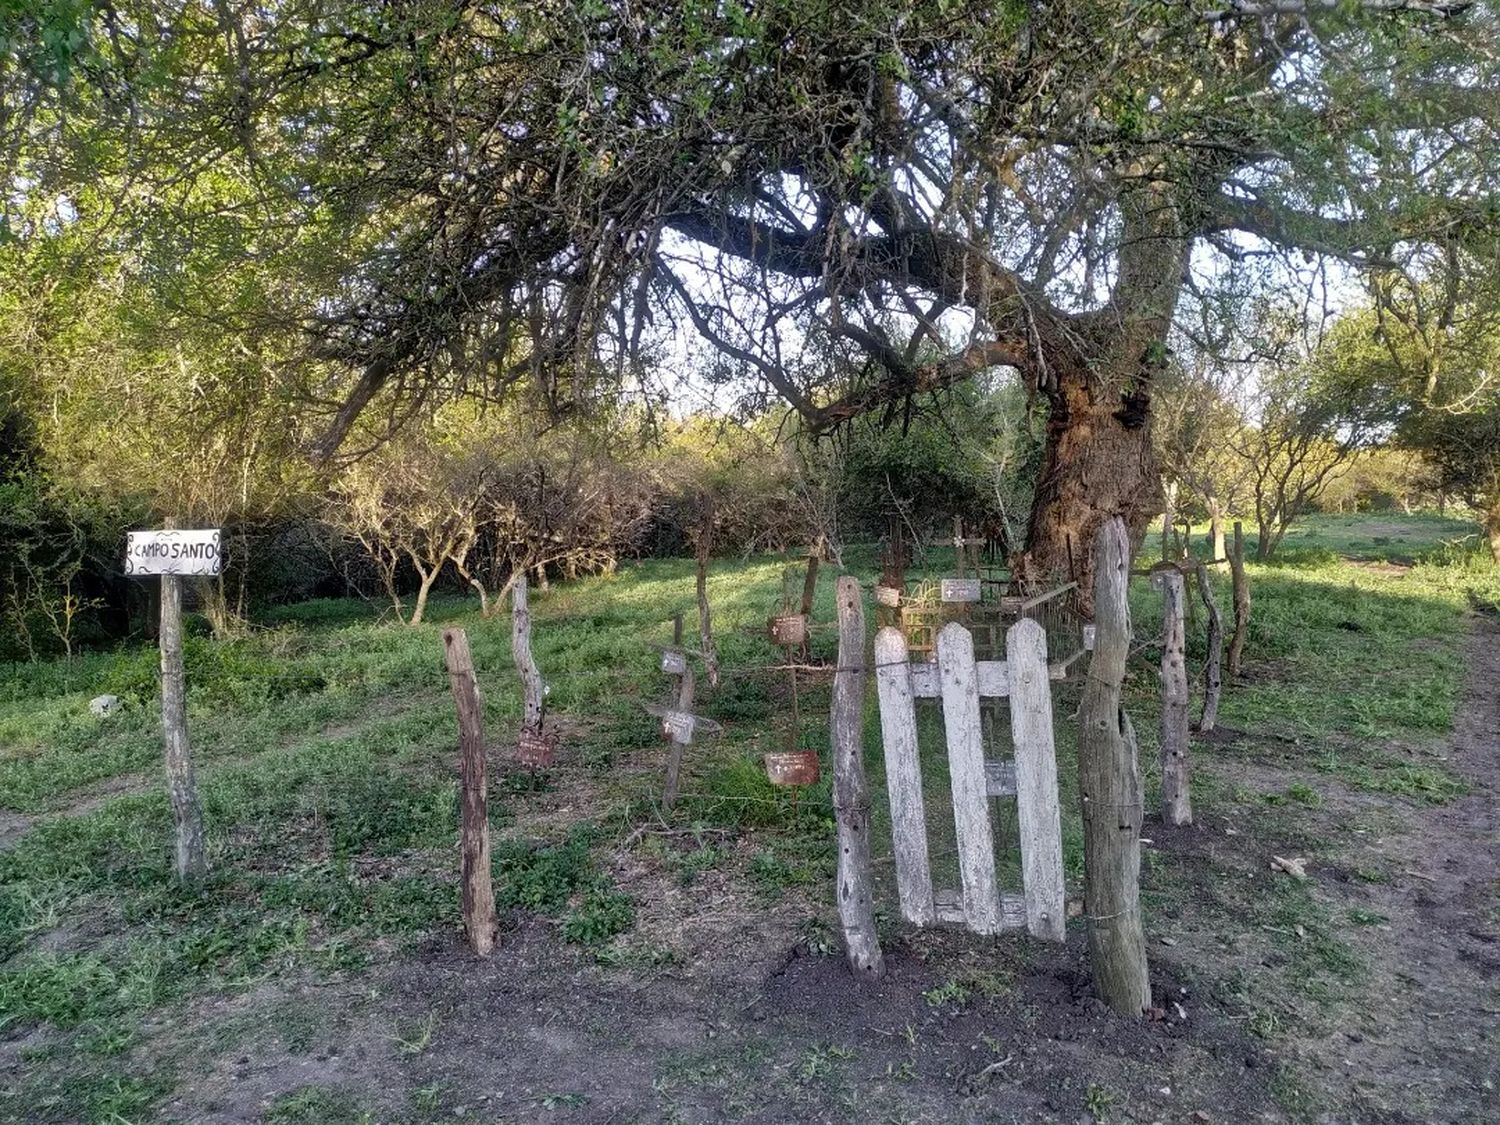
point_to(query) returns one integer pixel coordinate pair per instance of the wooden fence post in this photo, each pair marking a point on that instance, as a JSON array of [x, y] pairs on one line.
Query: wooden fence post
[[851, 797], [1109, 786], [187, 811], [1241, 601], [1213, 681], [971, 812], [903, 777], [533, 749], [474, 822], [1037, 814], [1176, 798], [685, 688]]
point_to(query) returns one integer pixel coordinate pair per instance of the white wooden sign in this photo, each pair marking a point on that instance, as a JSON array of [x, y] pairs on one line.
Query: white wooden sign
[[173, 552], [673, 663], [887, 596]]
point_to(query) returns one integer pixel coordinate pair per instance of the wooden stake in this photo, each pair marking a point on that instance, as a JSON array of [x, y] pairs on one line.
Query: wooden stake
[[474, 822], [851, 797], [1241, 601], [187, 811], [1109, 785], [1176, 799], [520, 648], [1212, 679], [810, 580], [674, 760]]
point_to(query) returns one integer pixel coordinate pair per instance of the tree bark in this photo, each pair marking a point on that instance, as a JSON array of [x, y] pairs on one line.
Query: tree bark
[[1168, 518], [1492, 523], [187, 812], [1098, 463], [428, 578], [1213, 681], [1110, 789], [1216, 548], [1241, 601], [851, 796]]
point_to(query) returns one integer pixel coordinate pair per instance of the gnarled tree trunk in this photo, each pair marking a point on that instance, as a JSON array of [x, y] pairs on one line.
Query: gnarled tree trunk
[[1098, 463]]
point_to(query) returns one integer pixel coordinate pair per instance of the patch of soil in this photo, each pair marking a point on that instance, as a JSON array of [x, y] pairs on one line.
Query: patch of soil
[[1430, 1048], [537, 1031], [1414, 1035]]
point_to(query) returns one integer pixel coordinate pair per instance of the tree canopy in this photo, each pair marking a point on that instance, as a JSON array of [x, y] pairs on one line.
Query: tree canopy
[[855, 204]]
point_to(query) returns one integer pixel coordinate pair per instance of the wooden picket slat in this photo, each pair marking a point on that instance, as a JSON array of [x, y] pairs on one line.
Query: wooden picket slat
[[1038, 816], [971, 814], [903, 775]]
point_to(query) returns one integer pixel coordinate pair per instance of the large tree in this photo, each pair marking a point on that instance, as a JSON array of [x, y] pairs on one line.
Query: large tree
[[522, 197]]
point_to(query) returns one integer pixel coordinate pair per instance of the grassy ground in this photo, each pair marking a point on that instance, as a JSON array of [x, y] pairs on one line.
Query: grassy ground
[[325, 745]]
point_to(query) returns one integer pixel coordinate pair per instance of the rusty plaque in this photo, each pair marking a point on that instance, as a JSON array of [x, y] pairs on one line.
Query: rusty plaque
[[788, 629], [536, 749], [793, 767]]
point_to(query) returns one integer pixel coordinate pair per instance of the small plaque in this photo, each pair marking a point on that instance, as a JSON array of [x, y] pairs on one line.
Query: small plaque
[[888, 596], [793, 767], [960, 590], [1089, 633], [674, 663], [536, 749], [679, 726], [789, 629]]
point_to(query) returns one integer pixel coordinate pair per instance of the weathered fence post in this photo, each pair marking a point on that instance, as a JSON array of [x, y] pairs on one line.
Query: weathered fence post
[[1109, 785], [1213, 680], [474, 822], [187, 811], [679, 739], [971, 813], [903, 777], [1176, 798], [1241, 601], [533, 751], [1038, 817], [851, 797]]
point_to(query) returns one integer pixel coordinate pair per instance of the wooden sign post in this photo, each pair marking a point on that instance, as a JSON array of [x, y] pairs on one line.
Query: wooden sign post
[[172, 553]]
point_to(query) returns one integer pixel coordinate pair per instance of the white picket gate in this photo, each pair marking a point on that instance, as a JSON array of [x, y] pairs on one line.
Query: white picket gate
[[960, 681]]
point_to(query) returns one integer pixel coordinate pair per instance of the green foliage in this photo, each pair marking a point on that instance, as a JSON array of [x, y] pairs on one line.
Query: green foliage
[[601, 915]]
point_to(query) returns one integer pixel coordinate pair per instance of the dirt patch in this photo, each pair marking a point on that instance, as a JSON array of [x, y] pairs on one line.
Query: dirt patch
[[960, 1030], [1406, 1031], [1428, 1050]]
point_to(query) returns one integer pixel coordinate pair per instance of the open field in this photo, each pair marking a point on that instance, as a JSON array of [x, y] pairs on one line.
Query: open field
[[686, 968]]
